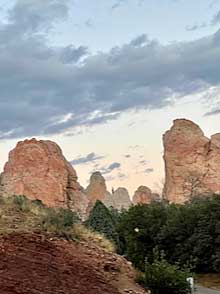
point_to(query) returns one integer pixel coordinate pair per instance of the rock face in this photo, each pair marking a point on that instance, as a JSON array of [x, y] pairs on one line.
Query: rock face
[[97, 190], [38, 170], [144, 195], [192, 162], [120, 199]]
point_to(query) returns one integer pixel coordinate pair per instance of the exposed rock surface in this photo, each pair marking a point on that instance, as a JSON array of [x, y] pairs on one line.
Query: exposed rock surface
[[144, 195], [120, 199], [192, 162], [38, 170], [97, 190]]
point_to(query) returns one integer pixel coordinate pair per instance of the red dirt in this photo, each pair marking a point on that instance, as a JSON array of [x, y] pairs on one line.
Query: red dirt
[[32, 264]]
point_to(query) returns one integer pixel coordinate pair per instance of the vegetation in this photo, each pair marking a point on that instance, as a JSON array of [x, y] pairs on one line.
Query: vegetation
[[161, 277], [19, 214], [186, 233], [101, 220]]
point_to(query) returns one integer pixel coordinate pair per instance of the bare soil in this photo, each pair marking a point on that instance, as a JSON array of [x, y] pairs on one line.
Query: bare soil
[[34, 263]]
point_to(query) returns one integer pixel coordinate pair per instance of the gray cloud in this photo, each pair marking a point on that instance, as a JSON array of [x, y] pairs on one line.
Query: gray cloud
[[48, 90], [149, 170], [91, 157], [216, 19], [213, 112], [108, 169], [196, 27], [127, 156]]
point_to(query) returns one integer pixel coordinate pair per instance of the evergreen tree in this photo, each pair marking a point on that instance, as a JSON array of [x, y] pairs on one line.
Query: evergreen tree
[[102, 221]]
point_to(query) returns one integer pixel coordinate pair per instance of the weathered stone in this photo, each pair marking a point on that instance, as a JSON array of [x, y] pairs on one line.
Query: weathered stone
[[192, 162], [38, 170], [119, 200], [144, 195], [97, 190]]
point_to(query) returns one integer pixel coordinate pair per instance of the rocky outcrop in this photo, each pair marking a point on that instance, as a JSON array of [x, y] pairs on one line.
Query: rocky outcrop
[[97, 190], [38, 170], [144, 195], [119, 200], [192, 162]]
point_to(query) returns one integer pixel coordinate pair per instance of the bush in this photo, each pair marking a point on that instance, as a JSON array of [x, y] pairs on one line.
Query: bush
[[161, 277], [21, 202], [60, 220]]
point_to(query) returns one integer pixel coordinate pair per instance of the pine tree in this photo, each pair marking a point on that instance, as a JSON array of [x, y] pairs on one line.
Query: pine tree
[[102, 221]]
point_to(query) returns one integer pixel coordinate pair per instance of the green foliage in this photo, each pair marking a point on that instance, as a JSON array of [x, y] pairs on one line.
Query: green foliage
[[21, 203], [187, 233], [139, 228], [102, 221], [60, 220], [161, 277]]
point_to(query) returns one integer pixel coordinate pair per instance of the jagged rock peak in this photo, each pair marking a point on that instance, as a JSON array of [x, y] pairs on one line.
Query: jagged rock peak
[[38, 170], [192, 162]]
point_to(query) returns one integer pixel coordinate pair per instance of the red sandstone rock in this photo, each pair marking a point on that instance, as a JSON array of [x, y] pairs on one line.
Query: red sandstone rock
[[97, 189], [192, 162], [144, 195], [38, 170]]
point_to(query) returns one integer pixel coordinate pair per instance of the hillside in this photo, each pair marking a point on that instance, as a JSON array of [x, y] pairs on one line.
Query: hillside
[[36, 259]]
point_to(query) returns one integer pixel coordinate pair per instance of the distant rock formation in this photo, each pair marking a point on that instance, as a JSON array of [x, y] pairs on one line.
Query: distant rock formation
[[119, 200], [192, 162], [38, 170], [97, 190], [144, 195]]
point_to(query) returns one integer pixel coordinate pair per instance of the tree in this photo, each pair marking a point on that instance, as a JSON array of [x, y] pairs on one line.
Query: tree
[[102, 221], [161, 277]]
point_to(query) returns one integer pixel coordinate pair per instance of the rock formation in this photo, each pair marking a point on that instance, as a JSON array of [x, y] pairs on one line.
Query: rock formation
[[144, 195], [38, 170], [97, 190], [119, 200], [192, 162]]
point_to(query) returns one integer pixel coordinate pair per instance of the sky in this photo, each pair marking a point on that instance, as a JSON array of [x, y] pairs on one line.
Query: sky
[[105, 80]]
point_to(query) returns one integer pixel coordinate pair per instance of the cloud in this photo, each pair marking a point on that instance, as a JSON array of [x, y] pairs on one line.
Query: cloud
[[216, 19], [127, 156], [118, 3], [149, 170], [108, 169], [213, 112], [91, 157], [196, 27], [41, 83]]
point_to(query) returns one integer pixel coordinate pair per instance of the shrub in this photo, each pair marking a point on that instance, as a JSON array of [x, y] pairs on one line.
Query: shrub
[[21, 203], [161, 277], [58, 221]]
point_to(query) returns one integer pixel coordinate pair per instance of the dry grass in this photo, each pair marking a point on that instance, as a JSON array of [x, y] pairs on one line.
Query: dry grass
[[88, 236], [18, 214]]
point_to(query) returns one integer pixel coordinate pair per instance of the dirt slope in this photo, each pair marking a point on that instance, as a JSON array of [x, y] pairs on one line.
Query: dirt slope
[[33, 264]]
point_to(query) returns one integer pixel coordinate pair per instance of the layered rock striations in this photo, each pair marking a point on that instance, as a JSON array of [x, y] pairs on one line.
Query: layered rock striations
[[192, 162], [144, 195], [38, 170]]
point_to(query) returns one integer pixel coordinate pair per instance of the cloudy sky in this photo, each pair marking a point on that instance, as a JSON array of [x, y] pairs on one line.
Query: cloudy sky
[[105, 79]]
